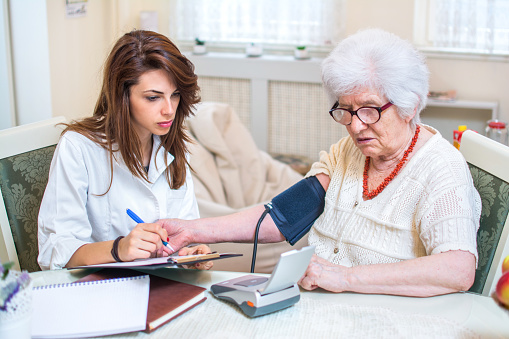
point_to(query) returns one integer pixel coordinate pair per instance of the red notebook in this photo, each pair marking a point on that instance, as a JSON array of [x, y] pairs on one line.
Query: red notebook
[[167, 298]]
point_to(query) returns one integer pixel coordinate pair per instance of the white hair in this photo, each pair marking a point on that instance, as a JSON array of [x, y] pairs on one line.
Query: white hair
[[377, 60]]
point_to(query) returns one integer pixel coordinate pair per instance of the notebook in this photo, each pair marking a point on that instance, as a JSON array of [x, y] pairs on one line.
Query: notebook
[[167, 300], [91, 308]]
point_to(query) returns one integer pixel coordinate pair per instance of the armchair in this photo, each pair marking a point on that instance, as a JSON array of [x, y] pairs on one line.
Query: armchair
[[230, 174]]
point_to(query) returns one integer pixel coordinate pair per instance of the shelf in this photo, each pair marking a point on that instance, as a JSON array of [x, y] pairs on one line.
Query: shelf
[[469, 104]]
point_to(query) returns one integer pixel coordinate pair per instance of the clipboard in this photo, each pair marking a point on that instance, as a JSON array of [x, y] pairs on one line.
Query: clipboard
[[192, 259], [169, 262]]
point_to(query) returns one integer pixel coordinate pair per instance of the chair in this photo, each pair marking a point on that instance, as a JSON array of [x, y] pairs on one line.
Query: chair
[[25, 158], [489, 161]]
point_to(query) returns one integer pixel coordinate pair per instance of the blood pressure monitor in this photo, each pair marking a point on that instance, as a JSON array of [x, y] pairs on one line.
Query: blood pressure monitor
[[258, 295]]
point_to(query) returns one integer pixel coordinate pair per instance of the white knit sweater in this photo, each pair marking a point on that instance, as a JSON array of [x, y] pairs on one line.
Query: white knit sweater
[[430, 207]]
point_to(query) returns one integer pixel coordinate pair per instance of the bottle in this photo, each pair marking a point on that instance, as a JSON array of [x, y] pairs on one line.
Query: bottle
[[497, 130], [457, 135]]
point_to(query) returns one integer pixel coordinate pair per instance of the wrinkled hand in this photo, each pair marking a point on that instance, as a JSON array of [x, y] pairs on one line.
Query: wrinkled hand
[[144, 241], [178, 234], [324, 274], [199, 249]]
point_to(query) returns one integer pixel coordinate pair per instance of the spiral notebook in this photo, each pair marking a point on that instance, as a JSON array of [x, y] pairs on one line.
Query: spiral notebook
[[167, 299], [90, 308]]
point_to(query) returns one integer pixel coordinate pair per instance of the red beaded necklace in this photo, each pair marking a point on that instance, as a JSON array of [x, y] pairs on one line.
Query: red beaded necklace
[[375, 192]]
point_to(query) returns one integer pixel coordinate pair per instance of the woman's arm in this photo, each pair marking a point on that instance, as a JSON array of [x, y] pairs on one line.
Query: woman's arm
[[237, 227], [431, 275], [143, 242]]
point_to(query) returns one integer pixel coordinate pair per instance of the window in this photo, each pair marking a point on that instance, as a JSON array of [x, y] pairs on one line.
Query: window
[[464, 26], [314, 23]]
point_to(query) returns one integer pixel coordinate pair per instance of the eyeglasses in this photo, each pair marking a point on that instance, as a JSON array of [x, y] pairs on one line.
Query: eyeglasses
[[368, 115]]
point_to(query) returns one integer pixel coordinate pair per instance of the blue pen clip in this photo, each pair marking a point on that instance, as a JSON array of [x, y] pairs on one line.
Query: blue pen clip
[[140, 221]]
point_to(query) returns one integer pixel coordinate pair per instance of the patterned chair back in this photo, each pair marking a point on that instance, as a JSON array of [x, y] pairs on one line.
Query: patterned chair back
[[488, 161], [23, 179], [494, 194], [25, 158]]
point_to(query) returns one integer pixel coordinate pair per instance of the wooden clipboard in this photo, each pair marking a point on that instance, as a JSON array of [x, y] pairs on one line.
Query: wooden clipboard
[[192, 259]]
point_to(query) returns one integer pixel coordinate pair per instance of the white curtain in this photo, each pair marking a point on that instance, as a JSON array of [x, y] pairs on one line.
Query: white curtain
[[282, 22], [479, 26]]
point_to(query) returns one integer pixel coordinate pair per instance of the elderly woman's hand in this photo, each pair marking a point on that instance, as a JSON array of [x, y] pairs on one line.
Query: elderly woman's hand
[[199, 249], [322, 273]]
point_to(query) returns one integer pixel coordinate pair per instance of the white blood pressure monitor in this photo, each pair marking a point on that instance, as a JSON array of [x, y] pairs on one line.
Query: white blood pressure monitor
[[258, 295]]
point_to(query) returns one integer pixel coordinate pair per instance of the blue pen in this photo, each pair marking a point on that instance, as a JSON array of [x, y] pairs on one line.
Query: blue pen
[[139, 221]]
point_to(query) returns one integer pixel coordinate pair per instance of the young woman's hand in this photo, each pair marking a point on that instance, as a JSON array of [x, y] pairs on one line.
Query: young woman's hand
[[144, 241]]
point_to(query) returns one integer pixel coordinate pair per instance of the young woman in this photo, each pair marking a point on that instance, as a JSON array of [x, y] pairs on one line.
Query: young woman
[[131, 154]]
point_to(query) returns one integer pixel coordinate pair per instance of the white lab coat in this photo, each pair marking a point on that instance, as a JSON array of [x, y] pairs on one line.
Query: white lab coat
[[75, 211]]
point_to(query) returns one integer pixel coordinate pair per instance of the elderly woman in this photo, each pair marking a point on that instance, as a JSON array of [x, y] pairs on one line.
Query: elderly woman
[[401, 213]]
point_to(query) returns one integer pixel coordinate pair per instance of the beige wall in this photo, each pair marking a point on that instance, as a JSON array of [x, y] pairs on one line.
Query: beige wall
[[79, 46], [473, 79], [391, 15]]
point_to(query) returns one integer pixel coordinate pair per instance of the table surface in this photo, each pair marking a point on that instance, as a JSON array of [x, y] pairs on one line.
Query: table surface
[[323, 314]]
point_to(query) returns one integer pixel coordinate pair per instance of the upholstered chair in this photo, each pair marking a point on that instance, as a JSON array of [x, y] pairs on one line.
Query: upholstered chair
[[25, 158], [488, 161]]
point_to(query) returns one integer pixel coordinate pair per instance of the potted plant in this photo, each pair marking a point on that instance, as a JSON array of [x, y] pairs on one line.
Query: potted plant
[[301, 52], [254, 50], [199, 47], [15, 303]]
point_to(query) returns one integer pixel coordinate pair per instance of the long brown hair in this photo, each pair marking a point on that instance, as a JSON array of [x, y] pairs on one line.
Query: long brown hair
[[110, 126]]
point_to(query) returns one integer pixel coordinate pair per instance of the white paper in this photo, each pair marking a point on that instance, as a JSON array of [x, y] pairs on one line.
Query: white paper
[[141, 262], [90, 308]]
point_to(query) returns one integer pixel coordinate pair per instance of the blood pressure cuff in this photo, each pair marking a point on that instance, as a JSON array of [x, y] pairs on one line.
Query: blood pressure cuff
[[295, 210]]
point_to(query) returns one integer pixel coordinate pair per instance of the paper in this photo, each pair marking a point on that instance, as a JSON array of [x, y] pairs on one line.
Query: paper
[[90, 308], [135, 263], [171, 261]]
